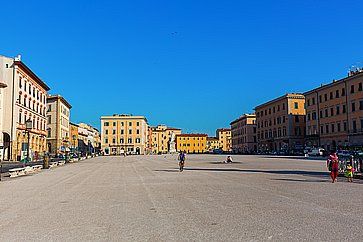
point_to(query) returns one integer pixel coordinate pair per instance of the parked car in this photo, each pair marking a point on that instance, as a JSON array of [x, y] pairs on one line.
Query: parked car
[[343, 153], [316, 152]]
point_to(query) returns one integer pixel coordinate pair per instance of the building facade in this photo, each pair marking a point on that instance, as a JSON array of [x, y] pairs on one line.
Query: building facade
[[162, 139], [124, 133], [334, 113], [224, 136], [192, 143], [244, 134], [23, 99], [58, 129], [74, 136], [89, 139], [281, 124], [212, 144]]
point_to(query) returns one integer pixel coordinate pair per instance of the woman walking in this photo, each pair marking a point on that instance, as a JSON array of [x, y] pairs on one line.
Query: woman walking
[[333, 166]]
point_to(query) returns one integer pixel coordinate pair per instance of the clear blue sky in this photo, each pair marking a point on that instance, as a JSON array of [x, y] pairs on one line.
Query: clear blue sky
[[191, 64]]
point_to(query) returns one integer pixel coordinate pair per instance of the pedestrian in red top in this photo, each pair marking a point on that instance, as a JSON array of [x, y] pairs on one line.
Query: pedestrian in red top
[[333, 165]]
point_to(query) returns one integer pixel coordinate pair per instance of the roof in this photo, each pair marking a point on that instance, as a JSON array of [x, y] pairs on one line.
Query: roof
[[122, 116], [192, 135], [30, 73], [223, 129], [335, 82], [244, 116], [213, 138], [54, 97], [288, 95], [71, 123]]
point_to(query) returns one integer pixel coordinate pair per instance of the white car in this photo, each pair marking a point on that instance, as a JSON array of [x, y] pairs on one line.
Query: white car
[[316, 152]]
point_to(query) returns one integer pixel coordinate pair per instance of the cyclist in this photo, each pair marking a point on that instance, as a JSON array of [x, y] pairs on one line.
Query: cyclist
[[181, 159]]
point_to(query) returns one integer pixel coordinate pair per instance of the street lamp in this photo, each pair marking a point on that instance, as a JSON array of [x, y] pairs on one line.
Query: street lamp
[[28, 127]]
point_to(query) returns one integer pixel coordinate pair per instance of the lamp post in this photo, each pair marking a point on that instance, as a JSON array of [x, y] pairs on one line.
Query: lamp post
[[28, 127]]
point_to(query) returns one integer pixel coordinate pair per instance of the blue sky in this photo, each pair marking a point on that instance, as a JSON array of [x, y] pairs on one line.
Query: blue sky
[[191, 64]]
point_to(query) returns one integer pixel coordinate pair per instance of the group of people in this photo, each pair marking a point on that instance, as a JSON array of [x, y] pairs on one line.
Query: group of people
[[333, 166]]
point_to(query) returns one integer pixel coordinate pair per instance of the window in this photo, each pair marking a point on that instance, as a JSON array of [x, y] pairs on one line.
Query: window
[[49, 132], [106, 131], [130, 131], [338, 127], [353, 106], [129, 140], [322, 129], [320, 99], [325, 97], [352, 89], [337, 94], [283, 106], [321, 113], [360, 87], [107, 124], [354, 126], [308, 103], [113, 141], [331, 111], [137, 140], [297, 119], [138, 132], [361, 105], [296, 105], [106, 141], [345, 126], [19, 118], [332, 128], [114, 123], [344, 109], [122, 131], [343, 92], [327, 129], [130, 123], [113, 131], [331, 95], [313, 115], [137, 123], [337, 110], [121, 140], [49, 119], [20, 85], [313, 100], [326, 113]]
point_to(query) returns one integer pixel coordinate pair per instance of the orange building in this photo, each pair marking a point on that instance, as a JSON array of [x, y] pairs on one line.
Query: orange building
[[334, 113], [281, 124], [244, 139]]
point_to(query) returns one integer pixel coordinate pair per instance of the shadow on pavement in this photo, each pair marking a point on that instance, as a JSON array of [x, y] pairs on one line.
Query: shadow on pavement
[[299, 180], [221, 162], [281, 172]]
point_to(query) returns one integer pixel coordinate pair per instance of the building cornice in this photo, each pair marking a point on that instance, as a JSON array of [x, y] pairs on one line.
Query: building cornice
[[30, 73]]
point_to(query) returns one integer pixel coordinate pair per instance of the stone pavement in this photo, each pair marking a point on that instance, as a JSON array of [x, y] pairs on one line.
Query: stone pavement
[[140, 198]]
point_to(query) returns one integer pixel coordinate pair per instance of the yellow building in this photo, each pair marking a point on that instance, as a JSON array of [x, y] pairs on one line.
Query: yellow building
[[58, 115], [124, 134], [162, 139], [224, 136], [212, 144], [191, 143]]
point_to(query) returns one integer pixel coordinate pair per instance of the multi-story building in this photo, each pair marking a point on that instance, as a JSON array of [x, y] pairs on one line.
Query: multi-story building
[[212, 144], [334, 113], [281, 124], [124, 133], [74, 136], [23, 99], [244, 134], [191, 143], [89, 139], [58, 129], [162, 139], [224, 137]]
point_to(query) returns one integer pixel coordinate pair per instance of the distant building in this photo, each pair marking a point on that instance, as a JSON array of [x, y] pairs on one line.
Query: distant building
[[191, 143], [124, 133], [74, 136], [224, 136], [23, 96], [212, 144], [244, 134], [89, 139], [58, 129], [334, 113], [161, 137], [281, 124]]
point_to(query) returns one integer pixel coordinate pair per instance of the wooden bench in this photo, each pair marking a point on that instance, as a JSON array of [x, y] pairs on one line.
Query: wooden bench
[[15, 172], [61, 163], [53, 164]]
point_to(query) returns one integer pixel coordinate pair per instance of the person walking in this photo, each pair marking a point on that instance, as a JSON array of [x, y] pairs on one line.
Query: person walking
[[333, 166], [349, 170]]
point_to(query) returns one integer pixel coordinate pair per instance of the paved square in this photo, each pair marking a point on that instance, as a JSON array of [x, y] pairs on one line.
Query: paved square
[[140, 198]]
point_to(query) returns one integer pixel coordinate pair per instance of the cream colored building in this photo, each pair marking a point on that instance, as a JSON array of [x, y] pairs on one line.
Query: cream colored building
[[212, 144], [244, 134], [23, 98], [162, 137], [89, 140], [224, 136], [58, 129], [124, 134]]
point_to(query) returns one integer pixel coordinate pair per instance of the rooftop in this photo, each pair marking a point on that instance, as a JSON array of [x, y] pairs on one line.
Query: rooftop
[[286, 96]]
